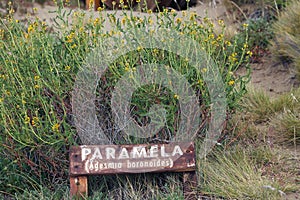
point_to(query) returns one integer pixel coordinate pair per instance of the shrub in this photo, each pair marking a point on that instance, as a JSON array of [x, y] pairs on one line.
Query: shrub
[[259, 37], [38, 69], [287, 31]]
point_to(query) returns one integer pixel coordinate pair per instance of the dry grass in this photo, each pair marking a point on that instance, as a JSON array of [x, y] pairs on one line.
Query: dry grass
[[287, 32], [234, 175]]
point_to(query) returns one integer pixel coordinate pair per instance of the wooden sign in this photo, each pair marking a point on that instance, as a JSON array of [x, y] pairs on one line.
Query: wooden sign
[[141, 158]]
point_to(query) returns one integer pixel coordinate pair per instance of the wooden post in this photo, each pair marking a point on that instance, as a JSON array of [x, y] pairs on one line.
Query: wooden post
[[190, 185], [78, 187]]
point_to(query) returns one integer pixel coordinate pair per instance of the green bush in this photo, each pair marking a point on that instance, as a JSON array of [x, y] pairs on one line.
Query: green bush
[[287, 35], [38, 69], [259, 36]]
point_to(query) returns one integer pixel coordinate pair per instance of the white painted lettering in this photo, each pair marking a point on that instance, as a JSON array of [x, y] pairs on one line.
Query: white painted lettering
[[97, 154], [163, 152], [84, 153], [177, 150], [139, 152], [154, 151], [123, 154], [110, 153]]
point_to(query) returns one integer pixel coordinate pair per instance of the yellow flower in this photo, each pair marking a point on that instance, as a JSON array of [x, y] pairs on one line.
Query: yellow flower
[[23, 101], [194, 32], [55, 127], [176, 96], [75, 14], [139, 48], [220, 22], [173, 12], [228, 43], [245, 25], [193, 16], [127, 67], [36, 78], [214, 43], [81, 29], [140, 20], [96, 21], [17, 21], [203, 70], [34, 121], [232, 57], [220, 37], [26, 35], [123, 21], [1, 100], [67, 68], [155, 51], [70, 37], [26, 120], [150, 21], [73, 46], [30, 29], [1, 33], [231, 82], [100, 9], [11, 11], [36, 86], [249, 53], [178, 20]]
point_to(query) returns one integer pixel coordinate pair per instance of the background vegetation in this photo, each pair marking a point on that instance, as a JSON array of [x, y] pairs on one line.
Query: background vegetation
[[38, 67]]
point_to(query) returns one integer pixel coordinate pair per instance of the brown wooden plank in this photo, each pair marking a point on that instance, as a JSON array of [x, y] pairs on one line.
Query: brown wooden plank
[[78, 187], [141, 158]]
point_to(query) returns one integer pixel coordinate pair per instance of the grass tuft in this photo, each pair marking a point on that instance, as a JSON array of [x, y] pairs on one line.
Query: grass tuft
[[233, 175], [287, 32]]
